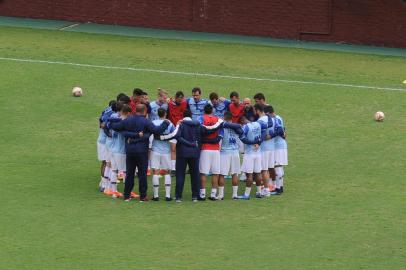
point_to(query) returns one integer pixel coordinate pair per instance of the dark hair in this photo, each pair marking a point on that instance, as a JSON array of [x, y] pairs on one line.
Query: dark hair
[[126, 108], [119, 106], [113, 106], [197, 89], [228, 115], [124, 99], [259, 96], [143, 93], [208, 109], [140, 108], [137, 91], [179, 94], [213, 96], [111, 102], [268, 109], [259, 107], [187, 113], [234, 94], [161, 112], [119, 96]]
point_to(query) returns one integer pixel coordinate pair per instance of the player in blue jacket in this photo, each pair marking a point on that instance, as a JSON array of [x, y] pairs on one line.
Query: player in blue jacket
[[220, 105], [196, 103], [161, 158], [137, 130]]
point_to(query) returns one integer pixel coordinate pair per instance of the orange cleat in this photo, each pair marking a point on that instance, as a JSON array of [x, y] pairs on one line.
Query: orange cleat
[[134, 195], [117, 194], [108, 192], [271, 187]]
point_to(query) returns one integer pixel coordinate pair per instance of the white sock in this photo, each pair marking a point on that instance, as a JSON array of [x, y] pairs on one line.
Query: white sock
[[104, 182], [155, 185], [168, 181], [202, 193], [213, 192], [221, 192], [247, 191], [278, 183], [107, 172], [259, 189], [173, 164], [235, 191], [281, 181], [113, 181]]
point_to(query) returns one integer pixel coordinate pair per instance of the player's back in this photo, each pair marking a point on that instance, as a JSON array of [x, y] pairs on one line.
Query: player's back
[[162, 147], [155, 105], [229, 143], [253, 132], [210, 120], [267, 123], [280, 142]]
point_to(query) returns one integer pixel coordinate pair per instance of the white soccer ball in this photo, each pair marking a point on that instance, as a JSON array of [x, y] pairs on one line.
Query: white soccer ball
[[77, 91], [379, 116]]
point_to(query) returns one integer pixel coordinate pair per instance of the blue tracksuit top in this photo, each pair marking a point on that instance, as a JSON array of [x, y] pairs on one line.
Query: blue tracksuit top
[[130, 128]]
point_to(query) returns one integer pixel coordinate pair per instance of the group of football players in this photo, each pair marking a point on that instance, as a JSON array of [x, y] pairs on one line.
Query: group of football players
[[209, 137]]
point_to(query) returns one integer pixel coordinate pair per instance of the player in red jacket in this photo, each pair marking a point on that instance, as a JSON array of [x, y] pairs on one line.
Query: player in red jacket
[[176, 108], [209, 162], [236, 108]]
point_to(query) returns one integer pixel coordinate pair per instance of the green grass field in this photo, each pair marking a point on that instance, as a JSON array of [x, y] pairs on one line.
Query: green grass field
[[344, 205]]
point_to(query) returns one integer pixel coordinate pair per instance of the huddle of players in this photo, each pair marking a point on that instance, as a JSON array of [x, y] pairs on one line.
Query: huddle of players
[[254, 130]]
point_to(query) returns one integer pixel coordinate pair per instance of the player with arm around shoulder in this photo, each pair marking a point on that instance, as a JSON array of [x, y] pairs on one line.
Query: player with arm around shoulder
[[252, 156], [161, 158], [229, 157], [281, 154], [209, 162]]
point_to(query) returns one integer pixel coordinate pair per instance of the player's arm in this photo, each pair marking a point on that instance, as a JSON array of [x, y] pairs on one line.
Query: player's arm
[[118, 124], [151, 128], [210, 129], [236, 127], [175, 134], [141, 136], [245, 140], [212, 140]]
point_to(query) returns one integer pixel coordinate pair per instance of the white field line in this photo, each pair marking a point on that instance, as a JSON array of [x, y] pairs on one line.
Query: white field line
[[203, 74]]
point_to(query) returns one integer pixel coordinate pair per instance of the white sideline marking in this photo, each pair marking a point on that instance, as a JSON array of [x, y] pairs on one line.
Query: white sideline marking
[[69, 26], [203, 74]]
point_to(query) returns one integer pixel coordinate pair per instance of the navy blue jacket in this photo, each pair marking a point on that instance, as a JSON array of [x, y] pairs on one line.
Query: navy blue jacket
[[131, 127], [189, 138]]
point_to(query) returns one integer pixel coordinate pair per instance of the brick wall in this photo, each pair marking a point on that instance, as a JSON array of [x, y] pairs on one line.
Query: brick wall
[[374, 22]]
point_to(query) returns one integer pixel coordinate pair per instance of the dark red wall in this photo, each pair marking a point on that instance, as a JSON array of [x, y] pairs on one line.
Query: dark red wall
[[375, 22]]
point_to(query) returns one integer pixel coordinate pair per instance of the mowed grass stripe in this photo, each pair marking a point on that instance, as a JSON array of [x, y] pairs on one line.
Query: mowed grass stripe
[[203, 74]]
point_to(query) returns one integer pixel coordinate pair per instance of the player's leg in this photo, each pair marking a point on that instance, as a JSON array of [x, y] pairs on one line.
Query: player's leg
[[257, 172], [248, 165], [141, 162], [173, 157], [180, 177], [155, 160], [194, 177], [214, 187], [215, 171], [166, 165], [225, 164], [129, 178], [113, 177], [279, 180], [204, 169]]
